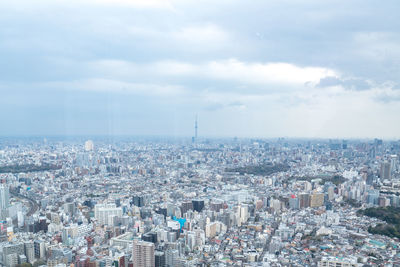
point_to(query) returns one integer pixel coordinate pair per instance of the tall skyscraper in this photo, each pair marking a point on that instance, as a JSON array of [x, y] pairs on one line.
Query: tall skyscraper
[[393, 163], [385, 170], [143, 254], [4, 201]]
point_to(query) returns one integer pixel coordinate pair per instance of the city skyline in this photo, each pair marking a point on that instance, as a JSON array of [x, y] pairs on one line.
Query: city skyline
[[276, 69]]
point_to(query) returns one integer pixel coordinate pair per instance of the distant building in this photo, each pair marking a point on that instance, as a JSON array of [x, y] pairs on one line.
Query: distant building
[[385, 170], [344, 144], [393, 163], [89, 146], [373, 196]]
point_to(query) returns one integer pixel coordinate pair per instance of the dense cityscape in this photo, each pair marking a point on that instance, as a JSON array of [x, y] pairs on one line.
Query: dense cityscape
[[187, 133], [201, 202]]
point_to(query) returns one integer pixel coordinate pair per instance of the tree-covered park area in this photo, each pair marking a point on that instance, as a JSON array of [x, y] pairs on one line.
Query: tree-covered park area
[[262, 169], [28, 168], [391, 215]]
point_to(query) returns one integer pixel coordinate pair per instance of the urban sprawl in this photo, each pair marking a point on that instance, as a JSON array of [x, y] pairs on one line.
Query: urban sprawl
[[217, 202]]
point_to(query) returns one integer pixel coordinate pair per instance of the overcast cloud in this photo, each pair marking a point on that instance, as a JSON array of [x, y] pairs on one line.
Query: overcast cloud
[[246, 68]]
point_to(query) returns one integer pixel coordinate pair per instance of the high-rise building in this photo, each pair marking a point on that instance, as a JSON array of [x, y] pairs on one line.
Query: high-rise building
[[11, 252], [187, 205], [171, 257], [316, 200], [293, 202], [198, 205], [393, 163], [304, 200], [211, 229], [159, 259], [370, 178], [4, 201], [29, 251], [4, 196], [150, 237], [138, 201], [11, 259], [104, 213], [344, 144], [143, 254], [276, 205], [244, 213], [191, 239], [385, 170], [373, 196], [40, 249], [89, 146]]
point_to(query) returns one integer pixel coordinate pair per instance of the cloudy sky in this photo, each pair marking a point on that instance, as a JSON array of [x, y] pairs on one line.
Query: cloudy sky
[[284, 68]]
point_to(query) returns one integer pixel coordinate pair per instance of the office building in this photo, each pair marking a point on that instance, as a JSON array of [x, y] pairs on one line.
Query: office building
[[385, 171], [159, 258], [104, 213], [143, 254], [4, 201], [198, 205]]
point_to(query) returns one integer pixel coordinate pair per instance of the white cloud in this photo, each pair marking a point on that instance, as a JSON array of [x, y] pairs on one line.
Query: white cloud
[[265, 73], [224, 70]]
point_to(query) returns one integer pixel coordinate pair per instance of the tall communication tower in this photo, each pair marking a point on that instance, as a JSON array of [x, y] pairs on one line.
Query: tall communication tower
[[195, 129]]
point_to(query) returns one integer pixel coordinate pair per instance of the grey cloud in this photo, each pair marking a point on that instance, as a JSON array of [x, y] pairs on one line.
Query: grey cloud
[[355, 84], [329, 81]]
